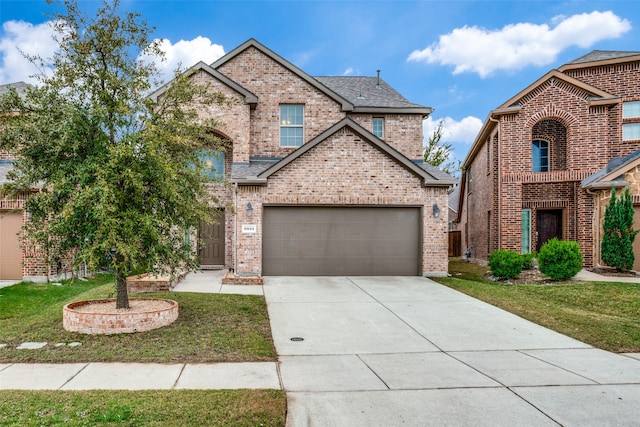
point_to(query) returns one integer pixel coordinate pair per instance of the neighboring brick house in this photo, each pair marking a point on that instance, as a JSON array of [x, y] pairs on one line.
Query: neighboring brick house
[[19, 260], [544, 162], [326, 172]]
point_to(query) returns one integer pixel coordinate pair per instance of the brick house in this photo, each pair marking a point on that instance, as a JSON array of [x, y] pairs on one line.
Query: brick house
[[326, 174], [544, 162], [19, 259]]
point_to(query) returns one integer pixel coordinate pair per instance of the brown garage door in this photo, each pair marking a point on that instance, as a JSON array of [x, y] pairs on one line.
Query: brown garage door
[[337, 241], [10, 252]]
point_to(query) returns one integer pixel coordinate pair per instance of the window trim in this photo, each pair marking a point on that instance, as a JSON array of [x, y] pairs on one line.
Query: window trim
[[282, 125], [210, 154], [373, 126], [548, 156]]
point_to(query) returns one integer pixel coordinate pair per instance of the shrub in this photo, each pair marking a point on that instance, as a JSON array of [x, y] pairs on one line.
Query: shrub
[[527, 260], [505, 264], [617, 241], [560, 259]]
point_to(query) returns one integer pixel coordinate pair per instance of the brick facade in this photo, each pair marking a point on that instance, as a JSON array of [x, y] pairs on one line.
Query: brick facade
[[577, 110], [343, 170], [345, 165]]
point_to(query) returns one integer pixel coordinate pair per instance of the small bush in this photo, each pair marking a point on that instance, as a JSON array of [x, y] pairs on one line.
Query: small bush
[[527, 260], [505, 264], [560, 259]]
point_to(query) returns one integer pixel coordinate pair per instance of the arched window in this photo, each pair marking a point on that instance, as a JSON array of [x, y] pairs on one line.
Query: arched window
[[540, 155]]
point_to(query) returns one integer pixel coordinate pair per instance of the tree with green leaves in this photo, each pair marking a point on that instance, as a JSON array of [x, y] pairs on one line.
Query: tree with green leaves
[[120, 176], [618, 237], [437, 152]]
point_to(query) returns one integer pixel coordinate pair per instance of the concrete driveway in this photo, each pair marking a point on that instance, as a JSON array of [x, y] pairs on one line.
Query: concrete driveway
[[388, 351]]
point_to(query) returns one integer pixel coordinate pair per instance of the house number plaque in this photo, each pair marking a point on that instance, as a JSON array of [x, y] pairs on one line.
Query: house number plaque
[[249, 228]]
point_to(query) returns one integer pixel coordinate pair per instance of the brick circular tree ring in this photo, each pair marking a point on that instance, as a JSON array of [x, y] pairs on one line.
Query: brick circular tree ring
[[102, 317]]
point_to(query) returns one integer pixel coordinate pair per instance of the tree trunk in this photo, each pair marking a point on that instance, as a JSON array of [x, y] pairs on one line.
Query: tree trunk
[[122, 294]]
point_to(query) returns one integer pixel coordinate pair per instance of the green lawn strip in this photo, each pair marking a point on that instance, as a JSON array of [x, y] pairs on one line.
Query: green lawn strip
[[210, 328], [172, 408], [603, 314]]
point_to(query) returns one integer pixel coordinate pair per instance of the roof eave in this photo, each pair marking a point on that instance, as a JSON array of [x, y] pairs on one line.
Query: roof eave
[[606, 185], [250, 97], [425, 111], [250, 180]]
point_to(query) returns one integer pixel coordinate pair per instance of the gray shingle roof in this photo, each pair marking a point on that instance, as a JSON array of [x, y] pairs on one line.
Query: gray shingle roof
[[602, 55], [435, 172], [20, 87], [366, 92], [251, 169], [615, 164]]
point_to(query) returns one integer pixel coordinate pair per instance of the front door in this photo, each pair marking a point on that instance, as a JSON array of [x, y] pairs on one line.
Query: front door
[[211, 238], [549, 225]]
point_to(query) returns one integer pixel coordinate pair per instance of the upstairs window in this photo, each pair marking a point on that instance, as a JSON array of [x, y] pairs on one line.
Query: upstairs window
[[291, 125], [631, 129], [378, 127], [213, 161], [540, 155]]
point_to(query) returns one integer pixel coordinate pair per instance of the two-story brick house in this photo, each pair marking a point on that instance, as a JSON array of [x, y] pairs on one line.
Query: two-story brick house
[[326, 174], [19, 258], [544, 161]]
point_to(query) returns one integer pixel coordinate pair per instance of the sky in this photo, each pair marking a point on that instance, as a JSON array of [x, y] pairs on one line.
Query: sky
[[462, 58]]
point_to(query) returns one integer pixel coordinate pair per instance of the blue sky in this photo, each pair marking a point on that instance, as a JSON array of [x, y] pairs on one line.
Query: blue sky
[[462, 58]]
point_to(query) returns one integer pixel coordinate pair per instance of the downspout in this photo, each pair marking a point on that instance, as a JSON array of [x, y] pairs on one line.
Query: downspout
[[499, 177], [235, 227], [596, 243]]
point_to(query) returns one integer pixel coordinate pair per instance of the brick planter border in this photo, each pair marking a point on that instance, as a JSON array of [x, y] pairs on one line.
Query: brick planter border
[[75, 320], [230, 278]]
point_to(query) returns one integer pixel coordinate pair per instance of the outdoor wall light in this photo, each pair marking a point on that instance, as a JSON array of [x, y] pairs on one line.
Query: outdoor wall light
[[249, 210], [436, 211]]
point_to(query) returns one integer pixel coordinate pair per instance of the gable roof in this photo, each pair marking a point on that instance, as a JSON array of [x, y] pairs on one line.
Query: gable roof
[[371, 94], [249, 97], [20, 87], [346, 105], [596, 94], [430, 176], [612, 174]]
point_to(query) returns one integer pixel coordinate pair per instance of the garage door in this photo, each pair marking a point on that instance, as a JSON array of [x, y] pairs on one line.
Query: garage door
[[10, 252], [336, 241]]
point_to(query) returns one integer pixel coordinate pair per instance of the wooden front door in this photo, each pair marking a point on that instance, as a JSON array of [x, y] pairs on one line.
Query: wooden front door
[[549, 225], [211, 239]]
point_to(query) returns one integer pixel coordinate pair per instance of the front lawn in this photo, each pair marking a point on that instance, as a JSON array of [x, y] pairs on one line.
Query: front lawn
[[174, 408], [210, 328], [603, 314]]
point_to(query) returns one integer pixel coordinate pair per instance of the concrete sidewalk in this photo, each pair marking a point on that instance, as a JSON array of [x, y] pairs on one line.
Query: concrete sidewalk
[[370, 351], [210, 282], [138, 376]]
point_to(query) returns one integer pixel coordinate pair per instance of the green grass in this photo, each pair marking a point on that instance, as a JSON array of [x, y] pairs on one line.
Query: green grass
[[210, 328], [603, 314], [171, 408]]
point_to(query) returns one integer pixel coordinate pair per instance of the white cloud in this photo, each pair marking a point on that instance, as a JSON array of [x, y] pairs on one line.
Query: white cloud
[[348, 71], [185, 53], [20, 36], [515, 46], [463, 131], [38, 40]]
